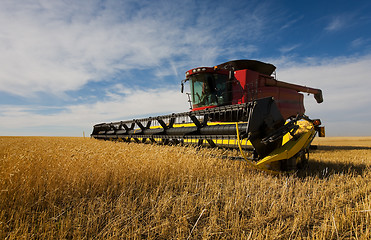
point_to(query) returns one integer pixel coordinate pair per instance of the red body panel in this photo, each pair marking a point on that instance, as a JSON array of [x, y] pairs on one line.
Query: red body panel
[[202, 108], [251, 85]]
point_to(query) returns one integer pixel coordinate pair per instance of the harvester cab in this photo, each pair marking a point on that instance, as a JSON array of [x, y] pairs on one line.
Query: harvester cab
[[243, 81], [209, 88], [237, 104]]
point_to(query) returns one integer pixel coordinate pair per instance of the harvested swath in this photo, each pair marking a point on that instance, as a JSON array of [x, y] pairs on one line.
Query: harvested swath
[[76, 188]]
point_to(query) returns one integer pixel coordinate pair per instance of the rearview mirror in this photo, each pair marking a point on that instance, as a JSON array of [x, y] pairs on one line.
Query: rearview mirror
[[182, 85], [231, 75]]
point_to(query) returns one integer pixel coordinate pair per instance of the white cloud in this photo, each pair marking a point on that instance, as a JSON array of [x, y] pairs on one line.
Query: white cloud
[[292, 22], [52, 47], [288, 48], [47, 49], [342, 21], [57, 46], [335, 24], [345, 85], [73, 120], [361, 42]]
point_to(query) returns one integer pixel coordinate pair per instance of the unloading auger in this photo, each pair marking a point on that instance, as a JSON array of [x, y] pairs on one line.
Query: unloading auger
[[237, 104]]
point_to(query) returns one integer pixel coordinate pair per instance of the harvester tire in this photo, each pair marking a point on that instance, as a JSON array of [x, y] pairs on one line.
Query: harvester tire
[[304, 157], [297, 162]]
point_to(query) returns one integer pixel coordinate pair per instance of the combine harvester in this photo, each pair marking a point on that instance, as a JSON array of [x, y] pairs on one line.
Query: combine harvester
[[237, 104]]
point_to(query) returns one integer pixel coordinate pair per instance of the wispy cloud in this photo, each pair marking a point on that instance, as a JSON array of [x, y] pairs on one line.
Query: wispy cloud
[[343, 21], [345, 89], [336, 24], [343, 81], [360, 42], [47, 49], [121, 104], [289, 48], [112, 60], [290, 23]]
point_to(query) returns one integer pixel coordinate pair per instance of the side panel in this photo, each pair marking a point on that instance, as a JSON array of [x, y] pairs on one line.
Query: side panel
[[238, 87], [251, 85], [289, 102], [245, 88]]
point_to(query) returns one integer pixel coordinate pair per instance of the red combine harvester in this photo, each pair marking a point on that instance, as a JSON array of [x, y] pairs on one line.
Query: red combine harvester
[[237, 104], [243, 81]]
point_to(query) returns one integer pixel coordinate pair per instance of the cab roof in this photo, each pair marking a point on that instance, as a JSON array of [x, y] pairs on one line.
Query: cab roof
[[254, 65]]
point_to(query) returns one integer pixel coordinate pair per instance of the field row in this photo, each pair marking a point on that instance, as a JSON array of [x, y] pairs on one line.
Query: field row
[[81, 188]]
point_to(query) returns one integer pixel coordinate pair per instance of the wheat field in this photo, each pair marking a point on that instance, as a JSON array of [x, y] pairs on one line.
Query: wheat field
[[82, 188]]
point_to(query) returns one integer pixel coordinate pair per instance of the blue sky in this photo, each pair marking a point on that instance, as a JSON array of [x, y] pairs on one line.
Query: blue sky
[[67, 65]]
